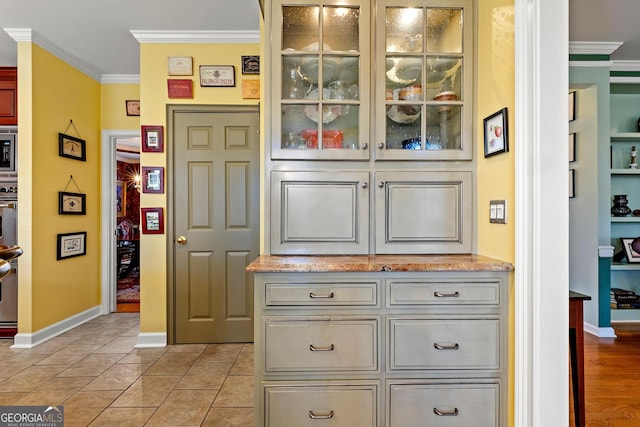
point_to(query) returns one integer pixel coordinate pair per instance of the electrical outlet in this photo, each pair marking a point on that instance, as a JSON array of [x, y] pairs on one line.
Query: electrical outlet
[[498, 211]]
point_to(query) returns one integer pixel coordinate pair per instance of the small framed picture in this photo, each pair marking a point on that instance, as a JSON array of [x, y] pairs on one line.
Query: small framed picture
[[572, 183], [72, 147], [72, 244], [572, 106], [71, 203], [152, 220], [633, 257], [121, 199], [153, 139], [217, 75], [180, 65], [572, 147], [152, 179], [496, 135], [133, 107], [251, 64]]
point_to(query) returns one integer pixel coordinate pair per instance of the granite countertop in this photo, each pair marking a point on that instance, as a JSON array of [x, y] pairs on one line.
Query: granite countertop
[[374, 263]]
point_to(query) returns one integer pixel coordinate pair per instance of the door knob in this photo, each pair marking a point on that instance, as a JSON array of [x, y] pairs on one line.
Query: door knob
[[181, 240]]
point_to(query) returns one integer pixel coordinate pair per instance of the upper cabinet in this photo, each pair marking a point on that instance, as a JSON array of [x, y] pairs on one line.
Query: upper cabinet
[[352, 83], [8, 96]]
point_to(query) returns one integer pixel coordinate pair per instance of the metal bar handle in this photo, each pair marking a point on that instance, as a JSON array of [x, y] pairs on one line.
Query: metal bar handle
[[437, 294], [437, 346], [315, 416], [440, 413], [321, 348], [314, 295], [8, 205]]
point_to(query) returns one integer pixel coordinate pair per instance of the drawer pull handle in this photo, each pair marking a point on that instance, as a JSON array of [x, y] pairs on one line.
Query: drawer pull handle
[[440, 413], [312, 295], [315, 416], [437, 294], [321, 348], [446, 347]]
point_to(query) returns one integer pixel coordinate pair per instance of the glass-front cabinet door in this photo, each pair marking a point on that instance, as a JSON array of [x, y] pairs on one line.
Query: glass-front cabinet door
[[321, 91], [423, 80]]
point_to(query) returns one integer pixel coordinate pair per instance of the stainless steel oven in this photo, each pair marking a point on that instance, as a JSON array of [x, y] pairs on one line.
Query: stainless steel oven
[[8, 236]]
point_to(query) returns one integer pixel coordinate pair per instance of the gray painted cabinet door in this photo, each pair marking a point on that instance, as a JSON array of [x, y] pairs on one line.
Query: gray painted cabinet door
[[319, 212]]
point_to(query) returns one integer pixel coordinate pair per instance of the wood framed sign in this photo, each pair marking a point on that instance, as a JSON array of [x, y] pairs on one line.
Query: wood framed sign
[[217, 76], [152, 179], [152, 220], [133, 107], [180, 88], [72, 147], [153, 139], [72, 203]]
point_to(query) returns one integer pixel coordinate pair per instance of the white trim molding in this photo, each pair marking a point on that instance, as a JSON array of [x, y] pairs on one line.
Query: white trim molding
[[22, 340], [620, 65], [151, 339], [593, 48], [149, 36], [120, 78]]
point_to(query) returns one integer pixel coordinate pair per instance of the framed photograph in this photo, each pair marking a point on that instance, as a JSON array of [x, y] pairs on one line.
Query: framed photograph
[[121, 199], [633, 257], [217, 75], [153, 139], [72, 244], [72, 147], [572, 147], [71, 203], [572, 183], [133, 107], [250, 64], [152, 179], [180, 65], [496, 135], [152, 220], [572, 106]]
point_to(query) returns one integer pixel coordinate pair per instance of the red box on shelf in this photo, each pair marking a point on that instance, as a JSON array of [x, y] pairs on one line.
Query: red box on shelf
[[330, 138]]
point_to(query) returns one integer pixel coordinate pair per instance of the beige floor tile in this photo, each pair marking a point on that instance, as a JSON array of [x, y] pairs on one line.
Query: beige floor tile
[[119, 345], [92, 399], [7, 398], [123, 417], [31, 378], [92, 365], [65, 383], [18, 363], [236, 392], [45, 397], [187, 348], [147, 391], [183, 408], [243, 364], [229, 417], [143, 355], [117, 377], [172, 364], [204, 376], [220, 353], [80, 416], [59, 358]]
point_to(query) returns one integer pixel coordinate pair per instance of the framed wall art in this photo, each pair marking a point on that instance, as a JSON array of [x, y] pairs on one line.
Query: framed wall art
[[217, 75], [152, 220], [572, 106], [152, 179], [72, 203], [251, 64], [496, 133], [121, 199], [180, 65], [153, 139], [72, 244], [133, 107], [572, 183], [72, 147], [633, 257], [572, 147]]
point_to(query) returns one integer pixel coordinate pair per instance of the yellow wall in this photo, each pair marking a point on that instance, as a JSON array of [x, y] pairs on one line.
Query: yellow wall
[[153, 102], [495, 89], [112, 110], [52, 290]]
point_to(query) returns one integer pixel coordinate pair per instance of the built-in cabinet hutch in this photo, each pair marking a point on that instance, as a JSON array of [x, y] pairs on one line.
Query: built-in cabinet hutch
[[370, 308]]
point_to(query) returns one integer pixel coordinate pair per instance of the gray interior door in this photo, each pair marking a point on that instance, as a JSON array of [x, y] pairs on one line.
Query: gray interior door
[[216, 222]]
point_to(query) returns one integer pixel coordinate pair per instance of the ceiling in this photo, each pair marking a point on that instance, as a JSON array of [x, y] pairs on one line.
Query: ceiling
[[99, 32]]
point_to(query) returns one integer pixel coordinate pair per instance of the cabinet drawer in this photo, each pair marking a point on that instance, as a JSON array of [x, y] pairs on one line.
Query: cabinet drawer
[[451, 405], [471, 343], [344, 406], [321, 294], [321, 345], [440, 292]]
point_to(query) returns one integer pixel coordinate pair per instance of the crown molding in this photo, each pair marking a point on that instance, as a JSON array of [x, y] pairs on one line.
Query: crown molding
[[149, 36], [120, 78], [625, 65], [593, 48], [28, 35]]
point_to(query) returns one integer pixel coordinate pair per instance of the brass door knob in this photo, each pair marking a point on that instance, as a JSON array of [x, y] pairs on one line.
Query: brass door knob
[[181, 240]]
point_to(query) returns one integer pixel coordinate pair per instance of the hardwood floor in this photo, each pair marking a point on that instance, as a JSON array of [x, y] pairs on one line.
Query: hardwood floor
[[612, 371]]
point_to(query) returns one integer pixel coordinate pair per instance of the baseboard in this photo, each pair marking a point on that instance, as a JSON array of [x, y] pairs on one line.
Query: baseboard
[[151, 339], [22, 340], [604, 332]]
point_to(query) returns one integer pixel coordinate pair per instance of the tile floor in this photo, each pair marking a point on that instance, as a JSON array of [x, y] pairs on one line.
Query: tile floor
[[95, 372]]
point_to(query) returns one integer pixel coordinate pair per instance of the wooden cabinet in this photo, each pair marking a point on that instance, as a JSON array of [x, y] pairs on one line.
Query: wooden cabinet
[[8, 96], [384, 348]]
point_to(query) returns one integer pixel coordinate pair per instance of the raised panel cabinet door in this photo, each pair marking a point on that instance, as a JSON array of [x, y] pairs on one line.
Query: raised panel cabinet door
[[319, 213], [424, 212]]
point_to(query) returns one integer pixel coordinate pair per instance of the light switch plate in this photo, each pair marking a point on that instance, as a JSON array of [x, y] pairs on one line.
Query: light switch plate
[[498, 211]]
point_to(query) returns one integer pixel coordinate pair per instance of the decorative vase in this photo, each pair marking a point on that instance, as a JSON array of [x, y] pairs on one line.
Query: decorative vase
[[620, 207]]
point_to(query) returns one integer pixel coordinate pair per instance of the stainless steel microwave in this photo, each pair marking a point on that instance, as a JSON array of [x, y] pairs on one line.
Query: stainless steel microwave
[[8, 152]]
